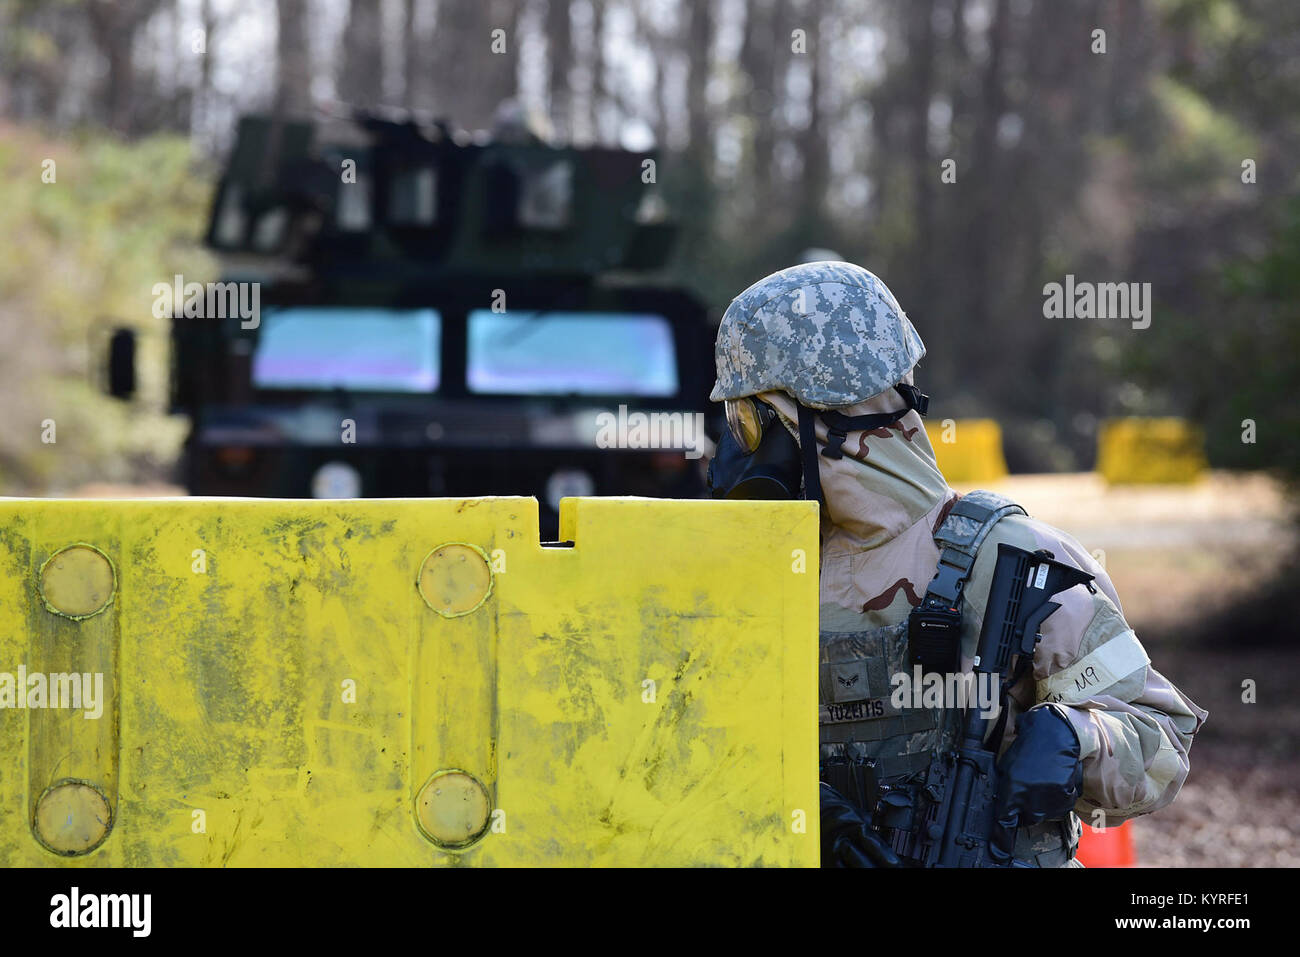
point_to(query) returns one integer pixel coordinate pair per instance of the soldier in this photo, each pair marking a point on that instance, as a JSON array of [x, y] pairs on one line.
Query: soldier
[[815, 366]]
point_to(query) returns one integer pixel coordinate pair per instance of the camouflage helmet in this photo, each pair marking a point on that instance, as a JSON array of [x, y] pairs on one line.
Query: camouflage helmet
[[831, 334]]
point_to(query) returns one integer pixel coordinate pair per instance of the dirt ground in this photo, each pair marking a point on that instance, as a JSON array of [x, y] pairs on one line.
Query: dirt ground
[[1175, 552]]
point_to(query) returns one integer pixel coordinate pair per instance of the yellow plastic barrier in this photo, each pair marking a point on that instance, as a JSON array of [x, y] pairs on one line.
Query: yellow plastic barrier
[[415, 682], [1139, 450], [968, 450]]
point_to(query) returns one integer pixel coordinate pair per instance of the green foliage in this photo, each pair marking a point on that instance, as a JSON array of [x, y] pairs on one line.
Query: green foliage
[[1262, 339], [1197, 145], [1238, 357], [82, 255]]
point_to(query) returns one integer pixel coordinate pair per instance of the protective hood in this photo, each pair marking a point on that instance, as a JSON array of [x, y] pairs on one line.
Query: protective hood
[[884, 484]]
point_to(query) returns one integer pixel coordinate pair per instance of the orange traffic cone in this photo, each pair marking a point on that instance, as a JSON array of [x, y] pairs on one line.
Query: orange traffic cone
[[1108, 847]]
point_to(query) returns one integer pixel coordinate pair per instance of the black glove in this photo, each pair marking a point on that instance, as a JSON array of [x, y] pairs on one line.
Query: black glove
[[1039, 778], [847, 837]]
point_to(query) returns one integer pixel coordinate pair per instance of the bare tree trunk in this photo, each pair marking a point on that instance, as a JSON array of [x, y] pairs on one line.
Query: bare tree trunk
[[7, 69], [758, 65], [662, 48], [559, 60], [983, 173], [200, 116], [361, 80], [475, 66], [121, 74], [786, 17], [699, 45], [920, 48], [814, 145], [600, 94], [113, 26], [29, 87], [694, 176], [293, 60], [410, 53]]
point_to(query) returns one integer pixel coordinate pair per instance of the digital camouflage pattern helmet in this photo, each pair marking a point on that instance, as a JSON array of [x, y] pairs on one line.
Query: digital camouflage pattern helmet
[[830, 334]]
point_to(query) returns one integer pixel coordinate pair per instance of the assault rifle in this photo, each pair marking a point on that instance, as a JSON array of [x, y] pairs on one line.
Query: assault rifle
[[948, 820]]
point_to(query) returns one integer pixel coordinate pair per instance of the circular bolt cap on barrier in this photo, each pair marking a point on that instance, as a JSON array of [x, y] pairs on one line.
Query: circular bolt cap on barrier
[[78, 582], [455, 579], [72, 818], [452, 809]]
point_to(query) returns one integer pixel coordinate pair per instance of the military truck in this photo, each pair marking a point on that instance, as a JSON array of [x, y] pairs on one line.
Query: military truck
[[437, 316]]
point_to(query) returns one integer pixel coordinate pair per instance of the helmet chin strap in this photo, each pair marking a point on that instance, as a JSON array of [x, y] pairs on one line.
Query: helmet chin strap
[[838, 427], [812, 480]]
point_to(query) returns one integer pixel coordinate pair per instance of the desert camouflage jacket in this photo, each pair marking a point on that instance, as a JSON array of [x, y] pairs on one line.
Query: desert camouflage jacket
[[885, 499]]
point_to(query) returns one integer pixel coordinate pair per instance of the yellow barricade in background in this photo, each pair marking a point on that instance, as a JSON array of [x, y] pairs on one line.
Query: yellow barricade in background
[[413, 682], [1142, 450], [968, 450]]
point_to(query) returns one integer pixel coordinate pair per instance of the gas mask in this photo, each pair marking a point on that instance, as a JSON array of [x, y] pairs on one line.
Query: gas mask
[[757, 458]]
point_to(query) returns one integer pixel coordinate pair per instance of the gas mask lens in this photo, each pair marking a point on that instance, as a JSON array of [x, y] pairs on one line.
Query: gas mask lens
[[747, 419]]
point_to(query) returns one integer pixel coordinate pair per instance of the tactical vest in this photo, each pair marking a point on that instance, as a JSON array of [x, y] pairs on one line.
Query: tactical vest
[[866, 741]]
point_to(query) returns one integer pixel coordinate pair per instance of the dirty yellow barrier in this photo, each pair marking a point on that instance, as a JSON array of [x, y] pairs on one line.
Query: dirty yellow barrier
[[1150, 450], [213, 682], [968, 450]]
